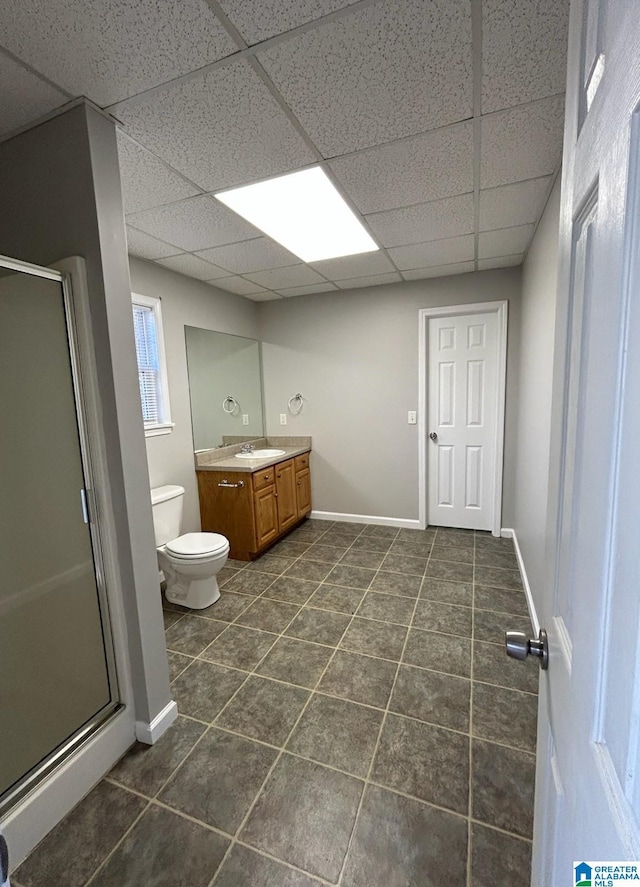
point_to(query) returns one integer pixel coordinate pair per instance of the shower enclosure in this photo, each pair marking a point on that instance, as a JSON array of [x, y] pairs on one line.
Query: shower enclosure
[[57, 669]]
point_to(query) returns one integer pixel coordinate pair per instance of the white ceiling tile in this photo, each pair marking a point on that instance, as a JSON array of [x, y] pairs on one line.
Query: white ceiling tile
[[147, 181], [281, 278], [308, 290], [111, 49], [259, 254], [257, 20], [237, 285], [23, 96], [192, 266], [500, 262], [506, 242], [372, 280], [414, 170], [511, 205], [145, 247], [194, 224], [221, 129], [426, 221], [522, 143], [524, 51], [354, 266], [265, 296], [437, 252], [439, 271], [387, 70]]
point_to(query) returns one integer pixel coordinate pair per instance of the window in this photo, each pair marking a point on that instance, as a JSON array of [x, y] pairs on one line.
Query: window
[[152, 368]]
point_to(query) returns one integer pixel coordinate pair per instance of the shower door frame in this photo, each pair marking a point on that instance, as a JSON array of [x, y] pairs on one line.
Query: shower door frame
[[33, 805]]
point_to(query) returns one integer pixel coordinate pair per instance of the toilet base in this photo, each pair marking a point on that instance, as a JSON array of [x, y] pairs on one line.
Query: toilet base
[[195, 594]]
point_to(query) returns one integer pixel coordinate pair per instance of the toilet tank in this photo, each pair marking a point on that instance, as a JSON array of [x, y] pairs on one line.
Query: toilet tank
[[166, 505]]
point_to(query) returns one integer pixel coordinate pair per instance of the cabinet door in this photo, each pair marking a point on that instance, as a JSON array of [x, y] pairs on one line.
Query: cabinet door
[[266, 514], [303, 492], [286, 492]]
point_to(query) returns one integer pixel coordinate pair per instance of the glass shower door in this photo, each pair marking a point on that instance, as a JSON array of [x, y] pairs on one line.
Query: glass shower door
[[56, 672]]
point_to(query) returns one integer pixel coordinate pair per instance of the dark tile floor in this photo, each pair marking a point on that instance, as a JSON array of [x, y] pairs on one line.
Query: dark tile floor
[[347, 716]]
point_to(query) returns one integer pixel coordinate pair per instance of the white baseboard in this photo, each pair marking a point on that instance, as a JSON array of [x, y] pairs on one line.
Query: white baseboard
[[367, 519], [508, 533], [150, 733]]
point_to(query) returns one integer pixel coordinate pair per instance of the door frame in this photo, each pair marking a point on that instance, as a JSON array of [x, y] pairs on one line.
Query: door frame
[[500, 309]]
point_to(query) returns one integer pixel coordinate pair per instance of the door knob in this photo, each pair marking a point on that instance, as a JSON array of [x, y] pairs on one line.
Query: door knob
[[433, 436], [519, 646]]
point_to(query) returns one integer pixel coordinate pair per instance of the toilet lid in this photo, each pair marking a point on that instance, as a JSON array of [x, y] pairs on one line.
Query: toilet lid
[[197, 544]]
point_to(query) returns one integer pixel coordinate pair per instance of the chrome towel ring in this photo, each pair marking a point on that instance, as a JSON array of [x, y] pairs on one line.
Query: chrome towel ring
[[229, 404]]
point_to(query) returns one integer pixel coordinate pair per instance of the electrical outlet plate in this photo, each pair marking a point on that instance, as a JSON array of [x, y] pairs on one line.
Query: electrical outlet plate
[[412, 417], [245, 418], [283, 418]]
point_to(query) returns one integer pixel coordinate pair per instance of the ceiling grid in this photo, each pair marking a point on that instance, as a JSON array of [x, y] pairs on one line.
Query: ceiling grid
[[440, 124]]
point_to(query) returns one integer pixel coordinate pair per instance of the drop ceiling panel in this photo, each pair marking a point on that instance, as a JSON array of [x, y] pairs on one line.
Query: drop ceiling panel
[[385, 71], [145, 247], [238, 285], [505, 242], [354, 266], [251, 255], [512, 205], [437, 252], [426, 221], [111, 49], [219, 129], [280, 278], [522, 143], [192, 266], [264, 296], [524, 46], [439, 271], [23, 96], [374, 280], [257, 20], [147, 181], [500, 262], [308, 290], [194, 224], [415, 170]]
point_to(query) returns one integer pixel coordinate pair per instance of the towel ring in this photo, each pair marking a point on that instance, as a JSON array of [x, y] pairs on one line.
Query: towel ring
[[295, 404], [231, 402]]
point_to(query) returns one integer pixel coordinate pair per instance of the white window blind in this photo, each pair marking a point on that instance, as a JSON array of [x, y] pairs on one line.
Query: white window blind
[[147, 326]]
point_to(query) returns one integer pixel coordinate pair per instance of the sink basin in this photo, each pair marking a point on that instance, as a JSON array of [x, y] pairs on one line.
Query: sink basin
[[260, 454]]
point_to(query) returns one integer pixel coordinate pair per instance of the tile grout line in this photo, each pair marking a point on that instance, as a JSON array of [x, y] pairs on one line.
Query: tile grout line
[[471, 679], [383, 722], [278, 756]]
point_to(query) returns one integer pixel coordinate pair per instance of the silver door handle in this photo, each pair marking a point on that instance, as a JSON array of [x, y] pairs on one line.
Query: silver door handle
[[433, 436], [519, 646], [225, 483]]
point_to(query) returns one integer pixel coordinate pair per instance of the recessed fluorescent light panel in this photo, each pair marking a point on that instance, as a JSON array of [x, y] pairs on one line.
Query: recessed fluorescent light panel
[[304, 212]]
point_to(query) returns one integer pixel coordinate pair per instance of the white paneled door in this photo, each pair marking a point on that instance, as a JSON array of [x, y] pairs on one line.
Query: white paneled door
[[588, 777], [462, 426]]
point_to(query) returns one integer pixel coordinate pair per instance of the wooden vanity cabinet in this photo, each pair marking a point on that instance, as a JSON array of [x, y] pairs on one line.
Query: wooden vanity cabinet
[[254, 510]]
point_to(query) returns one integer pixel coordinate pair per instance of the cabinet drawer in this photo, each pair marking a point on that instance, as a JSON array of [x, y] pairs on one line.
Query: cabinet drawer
[[264, 478], [302, 461]]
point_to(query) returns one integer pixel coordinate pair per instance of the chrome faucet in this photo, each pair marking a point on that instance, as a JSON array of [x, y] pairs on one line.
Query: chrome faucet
[[247, 448]]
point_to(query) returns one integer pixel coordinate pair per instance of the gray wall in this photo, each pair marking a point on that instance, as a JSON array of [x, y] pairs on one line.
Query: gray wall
[[354, 357], [537, 330], [61, 196], [185, 302]]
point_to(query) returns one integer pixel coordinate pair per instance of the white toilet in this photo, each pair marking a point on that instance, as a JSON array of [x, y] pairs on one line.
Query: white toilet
[[190, 563]]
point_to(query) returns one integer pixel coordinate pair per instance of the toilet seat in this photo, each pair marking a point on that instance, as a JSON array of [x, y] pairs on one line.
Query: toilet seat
[[192, 546]]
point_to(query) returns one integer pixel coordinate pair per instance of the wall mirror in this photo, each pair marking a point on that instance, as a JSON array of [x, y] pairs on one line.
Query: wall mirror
[[225, 387]]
